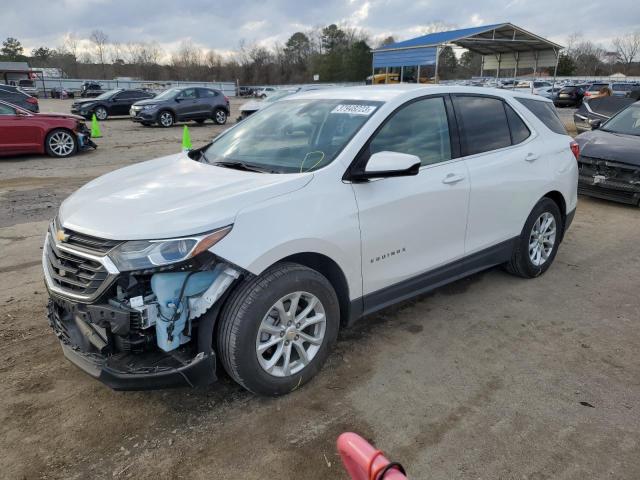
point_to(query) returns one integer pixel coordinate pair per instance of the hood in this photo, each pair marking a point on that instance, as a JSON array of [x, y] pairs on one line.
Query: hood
[[60, 115], [252, 106], [169, 197], [85, 101], [610, 146], [150, 101]]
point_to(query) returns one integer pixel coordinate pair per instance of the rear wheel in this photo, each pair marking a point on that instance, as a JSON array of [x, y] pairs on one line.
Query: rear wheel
[[220, 116], [101, 113], [165, 119], [277, 329], [61, 143], [539, 241]]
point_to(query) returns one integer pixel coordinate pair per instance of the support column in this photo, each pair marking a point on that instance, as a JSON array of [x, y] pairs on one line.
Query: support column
[[515, 73], [482, 67], [401, 73], [555, 70], [436, 78], [386, 75], [499, 64], [418, 75]]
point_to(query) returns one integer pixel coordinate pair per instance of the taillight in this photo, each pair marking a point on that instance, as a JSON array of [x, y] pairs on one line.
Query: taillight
[[575, 149], [587, 94], [32, 100]]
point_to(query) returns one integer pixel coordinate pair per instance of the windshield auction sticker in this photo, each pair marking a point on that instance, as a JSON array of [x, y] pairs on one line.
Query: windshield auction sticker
[[354, 109]]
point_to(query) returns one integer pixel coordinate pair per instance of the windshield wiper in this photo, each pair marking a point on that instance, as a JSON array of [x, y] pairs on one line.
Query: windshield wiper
[[241, 166]]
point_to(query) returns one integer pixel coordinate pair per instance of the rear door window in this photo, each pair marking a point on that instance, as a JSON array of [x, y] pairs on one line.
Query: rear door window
[[546, 113], [206, 93], [483, 124]]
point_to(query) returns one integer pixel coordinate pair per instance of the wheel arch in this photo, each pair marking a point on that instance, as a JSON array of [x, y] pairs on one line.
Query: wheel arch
[[332, 271]]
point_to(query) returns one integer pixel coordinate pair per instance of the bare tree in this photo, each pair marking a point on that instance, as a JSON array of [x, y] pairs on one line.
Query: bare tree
[[100, 40], [627, 48]]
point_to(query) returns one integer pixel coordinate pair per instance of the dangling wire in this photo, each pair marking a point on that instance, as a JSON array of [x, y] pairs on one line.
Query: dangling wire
[[314, 165]]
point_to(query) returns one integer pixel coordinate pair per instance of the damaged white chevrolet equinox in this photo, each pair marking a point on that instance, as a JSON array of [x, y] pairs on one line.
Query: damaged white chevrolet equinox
[[322, 208]]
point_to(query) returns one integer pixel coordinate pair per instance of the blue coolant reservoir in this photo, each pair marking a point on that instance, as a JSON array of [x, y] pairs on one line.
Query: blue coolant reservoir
[[167, 287]]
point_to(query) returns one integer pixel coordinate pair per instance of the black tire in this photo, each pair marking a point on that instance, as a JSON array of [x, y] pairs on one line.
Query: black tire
[[521, 263], [220, 116], [243, 313], [166, 119], [54, 148], [101, 113]]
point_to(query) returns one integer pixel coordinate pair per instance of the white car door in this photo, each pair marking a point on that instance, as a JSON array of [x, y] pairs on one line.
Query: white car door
[[507, 169], [413, 224]]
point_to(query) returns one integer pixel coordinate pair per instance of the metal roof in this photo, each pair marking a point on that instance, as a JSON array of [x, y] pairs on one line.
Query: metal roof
[[14, 66], [485, 40]]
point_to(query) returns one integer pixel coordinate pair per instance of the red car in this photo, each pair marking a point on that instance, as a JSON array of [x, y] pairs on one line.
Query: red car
[[57, 134]]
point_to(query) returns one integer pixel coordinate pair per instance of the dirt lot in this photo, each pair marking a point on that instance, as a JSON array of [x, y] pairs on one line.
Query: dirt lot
[[491, 377]]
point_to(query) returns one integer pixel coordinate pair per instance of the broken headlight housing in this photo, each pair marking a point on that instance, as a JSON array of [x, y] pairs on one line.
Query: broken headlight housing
[[146, 254]]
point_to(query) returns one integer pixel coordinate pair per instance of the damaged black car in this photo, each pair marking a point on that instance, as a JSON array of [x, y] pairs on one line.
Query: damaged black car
[[609, 162]]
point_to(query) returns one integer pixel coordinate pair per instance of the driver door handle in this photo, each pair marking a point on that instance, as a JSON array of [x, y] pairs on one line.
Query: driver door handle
[[531, 157], [452, 178]]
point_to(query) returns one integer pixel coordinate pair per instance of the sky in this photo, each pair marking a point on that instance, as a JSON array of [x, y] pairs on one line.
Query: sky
[[220, 25]]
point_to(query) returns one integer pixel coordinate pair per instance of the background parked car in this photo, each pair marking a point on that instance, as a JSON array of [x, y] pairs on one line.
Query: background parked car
[[91, 89], [594, 89], [113, 102], [264, 91], [609, 162], [16, 96], [64, 93], [29, 87], [245, 91], [621, 89], [570, 96], [598, 110], [548, 92], [181, 105], [56, 134]]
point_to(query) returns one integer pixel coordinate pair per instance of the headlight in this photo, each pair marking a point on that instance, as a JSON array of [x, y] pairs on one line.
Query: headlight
[[145, 254], [148, 107]]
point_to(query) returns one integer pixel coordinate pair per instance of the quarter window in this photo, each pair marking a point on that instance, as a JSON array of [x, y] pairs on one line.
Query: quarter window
[[483, 124], [519, 131], [546, 113], [206, 93], [420, 128]]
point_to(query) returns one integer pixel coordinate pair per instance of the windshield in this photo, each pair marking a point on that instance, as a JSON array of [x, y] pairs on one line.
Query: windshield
[[105, 95], [626, 122], [172, 92], [292, 136]]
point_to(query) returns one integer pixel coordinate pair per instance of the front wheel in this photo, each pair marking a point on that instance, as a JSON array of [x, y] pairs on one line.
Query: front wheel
[[165, 119], [539, 241], [101, 113], [277, 329], [61, 143]]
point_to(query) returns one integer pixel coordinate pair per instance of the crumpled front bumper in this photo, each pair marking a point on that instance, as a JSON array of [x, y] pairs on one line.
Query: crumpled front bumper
[[87, 347]]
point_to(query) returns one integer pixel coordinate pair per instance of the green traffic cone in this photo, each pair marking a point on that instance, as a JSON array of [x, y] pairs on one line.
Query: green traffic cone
[[186, 139], [95, 128]]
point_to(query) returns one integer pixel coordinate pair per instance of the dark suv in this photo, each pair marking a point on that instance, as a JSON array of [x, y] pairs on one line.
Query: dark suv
[[180, 105], [15, 95], [113, 102]]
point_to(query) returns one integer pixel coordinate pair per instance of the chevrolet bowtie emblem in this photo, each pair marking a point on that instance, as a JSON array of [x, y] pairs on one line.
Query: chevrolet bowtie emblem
[[61, 236]]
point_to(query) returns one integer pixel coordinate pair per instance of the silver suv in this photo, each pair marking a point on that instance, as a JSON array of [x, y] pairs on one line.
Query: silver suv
[[181, 105]]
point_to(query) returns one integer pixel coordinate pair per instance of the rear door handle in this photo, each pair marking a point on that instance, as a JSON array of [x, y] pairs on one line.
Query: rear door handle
[[452, 178], [531, 157]]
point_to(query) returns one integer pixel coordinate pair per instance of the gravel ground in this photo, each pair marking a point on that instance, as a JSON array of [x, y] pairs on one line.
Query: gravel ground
[[490, 377]]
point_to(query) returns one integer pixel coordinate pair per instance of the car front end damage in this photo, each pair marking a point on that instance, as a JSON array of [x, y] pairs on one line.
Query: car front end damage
[[143, 328], [609, 180], [83, 135]]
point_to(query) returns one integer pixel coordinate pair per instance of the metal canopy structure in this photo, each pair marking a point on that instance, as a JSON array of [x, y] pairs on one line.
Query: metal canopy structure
[[502, 46]]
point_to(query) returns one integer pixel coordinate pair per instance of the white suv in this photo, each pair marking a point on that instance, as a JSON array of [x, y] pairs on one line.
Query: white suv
[[319, 209]]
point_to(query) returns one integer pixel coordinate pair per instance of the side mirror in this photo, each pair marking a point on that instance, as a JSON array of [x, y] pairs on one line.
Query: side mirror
[[595, 124], [389, 164]]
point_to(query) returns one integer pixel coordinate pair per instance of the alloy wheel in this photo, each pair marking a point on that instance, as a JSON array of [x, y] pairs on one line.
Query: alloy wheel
[[221, 117], [61, 144], [166, 119], [291, 334], [542, 239], [101, 113]]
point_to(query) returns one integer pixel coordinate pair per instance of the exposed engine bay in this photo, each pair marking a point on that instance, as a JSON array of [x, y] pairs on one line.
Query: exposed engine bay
[[138, 329]]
